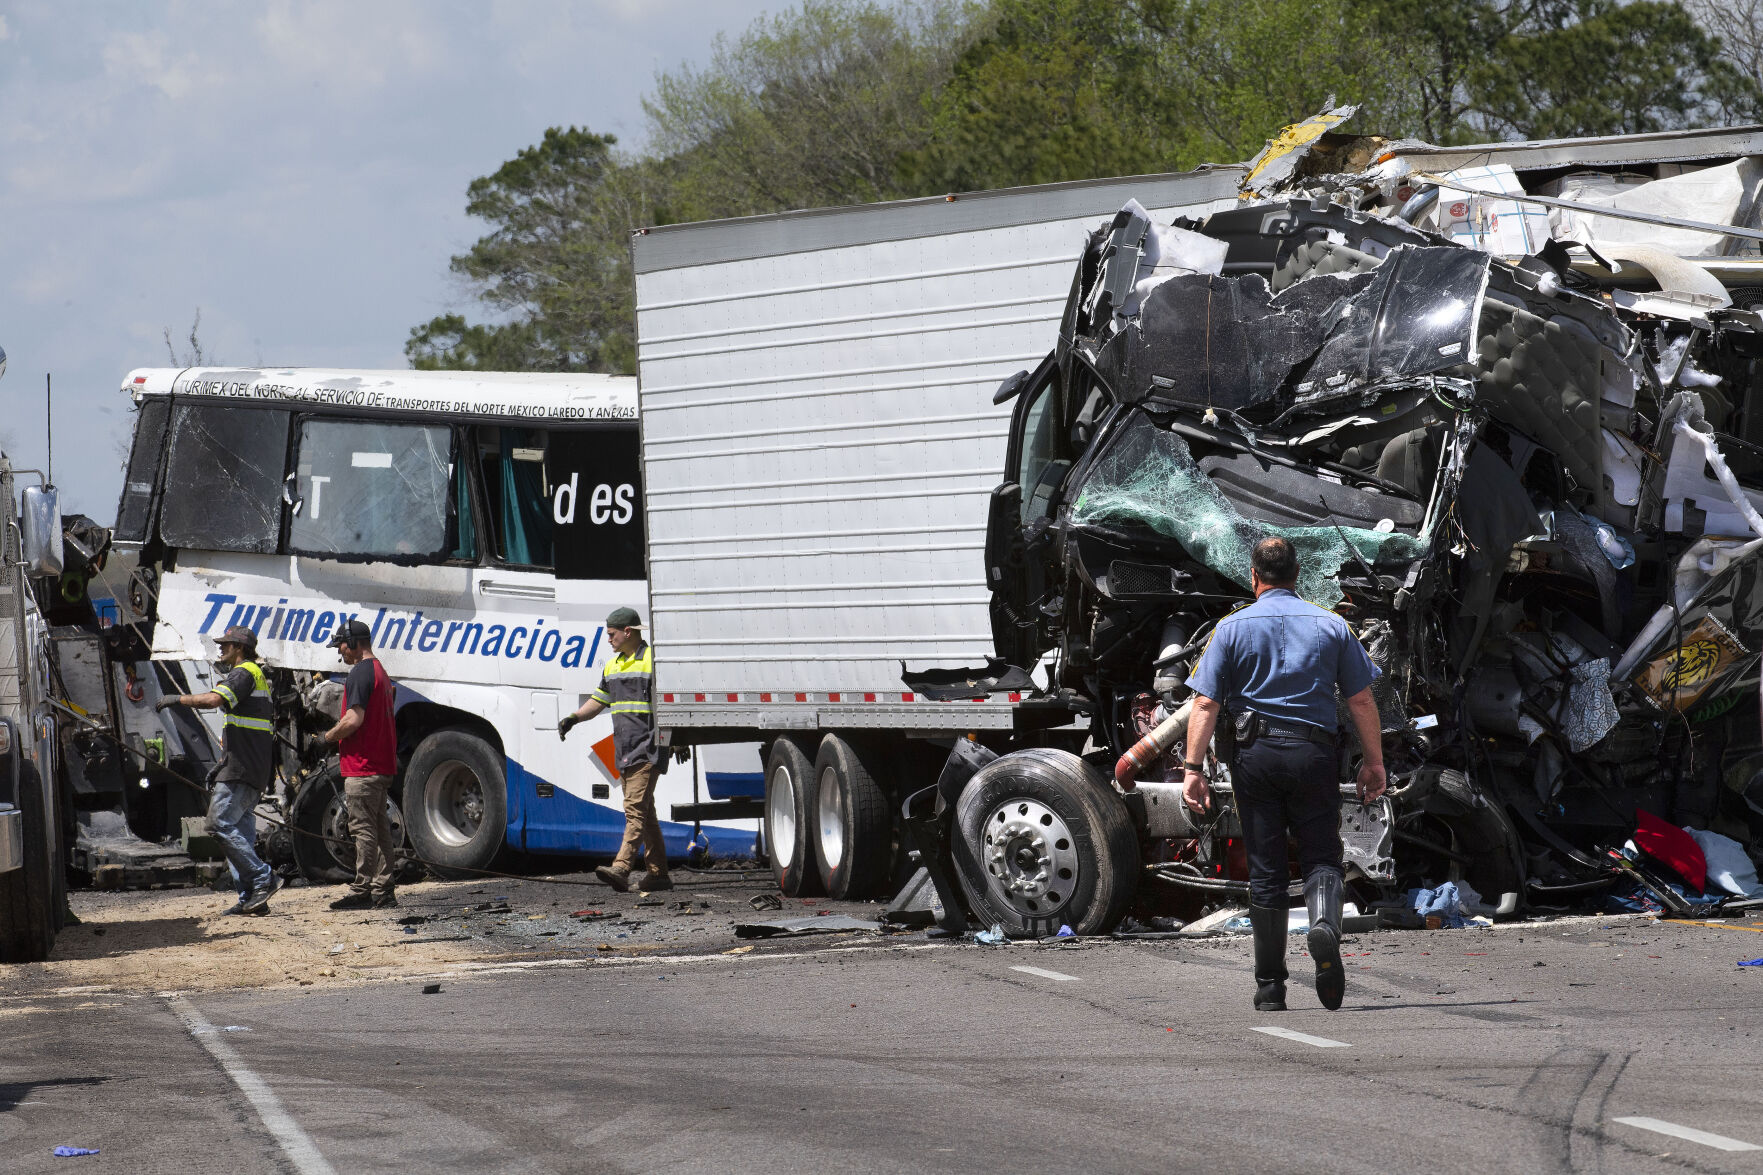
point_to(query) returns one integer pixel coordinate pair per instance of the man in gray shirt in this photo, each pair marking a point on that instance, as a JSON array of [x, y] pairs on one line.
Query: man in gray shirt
[[1275, 665]]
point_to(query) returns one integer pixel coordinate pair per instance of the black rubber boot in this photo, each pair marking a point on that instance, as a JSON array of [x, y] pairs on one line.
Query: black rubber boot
[[1323, 892], [1270, 958]]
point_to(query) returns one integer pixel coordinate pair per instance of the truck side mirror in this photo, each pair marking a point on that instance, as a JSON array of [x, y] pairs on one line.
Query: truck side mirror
[[41, 527]]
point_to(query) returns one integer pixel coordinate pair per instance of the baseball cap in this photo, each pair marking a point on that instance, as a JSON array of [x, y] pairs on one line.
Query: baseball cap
[[624, 618], [239, 635], [354, 632]]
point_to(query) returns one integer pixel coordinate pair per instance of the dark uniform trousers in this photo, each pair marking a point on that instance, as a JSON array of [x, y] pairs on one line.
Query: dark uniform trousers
[[1286, 783]]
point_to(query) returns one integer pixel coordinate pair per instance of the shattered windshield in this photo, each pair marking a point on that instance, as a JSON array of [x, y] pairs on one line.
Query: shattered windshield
[[223, 480], [1149, 478]]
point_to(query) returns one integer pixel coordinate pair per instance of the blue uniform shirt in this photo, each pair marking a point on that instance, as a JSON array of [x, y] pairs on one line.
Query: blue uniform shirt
[[1283, 657]]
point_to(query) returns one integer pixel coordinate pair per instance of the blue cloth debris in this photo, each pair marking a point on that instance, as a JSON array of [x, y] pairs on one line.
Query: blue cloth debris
[[1751, 962], [1444, 902], [70, 1152], [993, 937], [1065, 932]]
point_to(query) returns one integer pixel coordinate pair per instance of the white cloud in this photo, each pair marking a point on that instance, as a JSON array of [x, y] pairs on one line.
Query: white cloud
[[4, 31]]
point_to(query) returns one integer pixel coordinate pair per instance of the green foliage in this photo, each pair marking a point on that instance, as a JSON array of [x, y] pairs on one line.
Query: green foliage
[[1599, 67], [556, 261], [811, 108], [845, 101]]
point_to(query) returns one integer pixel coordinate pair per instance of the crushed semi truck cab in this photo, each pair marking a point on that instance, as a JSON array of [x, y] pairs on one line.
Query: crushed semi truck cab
[[1525, 466]]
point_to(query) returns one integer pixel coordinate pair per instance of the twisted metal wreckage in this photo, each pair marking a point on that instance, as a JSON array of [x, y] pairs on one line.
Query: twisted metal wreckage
[[1531, 486]]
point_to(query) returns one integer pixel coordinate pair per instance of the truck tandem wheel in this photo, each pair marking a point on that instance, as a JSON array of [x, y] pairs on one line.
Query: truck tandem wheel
[[28, 913], [456, 803], [1042, 840], [789, 819], [853, 841]]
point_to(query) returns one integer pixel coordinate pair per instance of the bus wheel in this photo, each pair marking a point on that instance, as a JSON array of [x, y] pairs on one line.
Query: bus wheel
[[324, 847], [854, 839], [456, 803], [1041, 841], [27, 894], [789, 819]]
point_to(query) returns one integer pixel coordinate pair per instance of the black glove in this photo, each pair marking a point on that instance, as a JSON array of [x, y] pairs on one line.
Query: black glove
[[313, 746], [164, 704], [566, 725]]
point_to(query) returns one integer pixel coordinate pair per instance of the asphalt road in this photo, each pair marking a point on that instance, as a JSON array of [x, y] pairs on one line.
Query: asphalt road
[[1519, 1049]]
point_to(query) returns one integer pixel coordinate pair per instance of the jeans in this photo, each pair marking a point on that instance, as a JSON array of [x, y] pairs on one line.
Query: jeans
[[1286, 785], [364, 797], [642, 827], [232, 814]]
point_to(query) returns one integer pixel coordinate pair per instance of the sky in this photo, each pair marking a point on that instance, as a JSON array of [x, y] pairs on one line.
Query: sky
[[295, 171]]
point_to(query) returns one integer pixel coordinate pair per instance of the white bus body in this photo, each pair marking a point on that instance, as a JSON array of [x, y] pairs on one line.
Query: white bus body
[[481, 524]]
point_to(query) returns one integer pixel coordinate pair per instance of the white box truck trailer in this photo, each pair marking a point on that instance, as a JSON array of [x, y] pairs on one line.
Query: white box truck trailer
[[820, 443]]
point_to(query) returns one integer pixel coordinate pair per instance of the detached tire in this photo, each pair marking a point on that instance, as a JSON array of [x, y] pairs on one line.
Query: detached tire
[[789, 819], [324, 847], [456, 803], [854, 841], [28, 910], [1041, 841]]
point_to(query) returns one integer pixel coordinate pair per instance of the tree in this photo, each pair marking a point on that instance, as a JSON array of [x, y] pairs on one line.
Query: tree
[[1600, 67], [556, 262], [810, 108]]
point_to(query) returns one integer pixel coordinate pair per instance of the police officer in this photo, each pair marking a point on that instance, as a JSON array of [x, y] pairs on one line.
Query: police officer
[[246, 765], [1275, 666], [627, 688]]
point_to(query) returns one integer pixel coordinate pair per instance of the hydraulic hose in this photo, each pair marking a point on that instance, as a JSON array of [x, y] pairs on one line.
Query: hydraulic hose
[[1417, 203]]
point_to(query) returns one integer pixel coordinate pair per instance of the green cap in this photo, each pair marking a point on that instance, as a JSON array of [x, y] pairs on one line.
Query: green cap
[[624, 618]]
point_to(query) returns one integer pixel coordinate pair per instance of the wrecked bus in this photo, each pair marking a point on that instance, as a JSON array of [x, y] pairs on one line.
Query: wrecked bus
[[1502, 400], [481, 524]]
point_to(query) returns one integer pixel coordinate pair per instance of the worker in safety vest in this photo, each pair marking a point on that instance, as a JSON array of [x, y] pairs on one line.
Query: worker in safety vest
[[628, 689], [247, 764]]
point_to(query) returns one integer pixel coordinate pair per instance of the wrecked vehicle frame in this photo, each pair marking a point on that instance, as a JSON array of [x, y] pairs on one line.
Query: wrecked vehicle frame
[[1518, 487]]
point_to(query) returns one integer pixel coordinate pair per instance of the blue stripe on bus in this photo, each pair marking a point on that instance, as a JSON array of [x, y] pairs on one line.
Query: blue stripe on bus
[[565, 823]]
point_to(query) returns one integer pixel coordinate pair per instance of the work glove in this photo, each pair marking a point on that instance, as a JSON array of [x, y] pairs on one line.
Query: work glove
[[164, 704], [564, 726], [313, 746]]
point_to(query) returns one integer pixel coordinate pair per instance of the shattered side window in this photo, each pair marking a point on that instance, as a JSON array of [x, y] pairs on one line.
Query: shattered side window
[[1149, 478], [223, 478], [1041, 468], [374, 489], [134, 513], [1417, 316]]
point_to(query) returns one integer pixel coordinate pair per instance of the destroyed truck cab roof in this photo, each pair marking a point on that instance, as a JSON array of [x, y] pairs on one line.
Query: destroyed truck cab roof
[[1517, 444]]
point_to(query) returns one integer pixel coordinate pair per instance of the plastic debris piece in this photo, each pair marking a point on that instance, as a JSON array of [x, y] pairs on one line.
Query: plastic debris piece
[[818, 924], [993, 937], [1751, 963], [766, 901], [71, 1152], [431, 989], [410, 930], [1065, 932]]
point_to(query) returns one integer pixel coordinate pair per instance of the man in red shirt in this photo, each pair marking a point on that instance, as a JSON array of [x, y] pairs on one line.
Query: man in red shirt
[[370, 762]]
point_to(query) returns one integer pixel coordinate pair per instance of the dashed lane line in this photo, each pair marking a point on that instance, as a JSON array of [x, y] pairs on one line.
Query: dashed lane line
[[1321, 1042], [1689, 1134], [295, 1143], [1046, 974]]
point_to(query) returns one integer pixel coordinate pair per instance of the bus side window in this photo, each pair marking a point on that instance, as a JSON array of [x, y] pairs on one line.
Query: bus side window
[[223, 477], [373, 488], [134, 514], [517, 493]]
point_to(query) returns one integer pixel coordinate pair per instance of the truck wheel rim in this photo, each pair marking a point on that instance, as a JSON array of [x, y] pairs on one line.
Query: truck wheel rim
[[1031, 858], [832, 818], [780, 816], [340, 838], [453, 803]]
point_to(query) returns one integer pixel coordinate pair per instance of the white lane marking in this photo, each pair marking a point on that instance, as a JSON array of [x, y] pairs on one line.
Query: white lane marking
[[1321, 1042], [295, 1144], [1689, 1134], [1045, 974]]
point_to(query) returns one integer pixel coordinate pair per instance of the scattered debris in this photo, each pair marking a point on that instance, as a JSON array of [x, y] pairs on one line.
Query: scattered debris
[[431, 989], [70, 1152], [814, 924], [765, 901]]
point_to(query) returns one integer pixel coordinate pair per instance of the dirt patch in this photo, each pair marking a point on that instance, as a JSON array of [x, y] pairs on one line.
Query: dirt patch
[[177, 940]]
